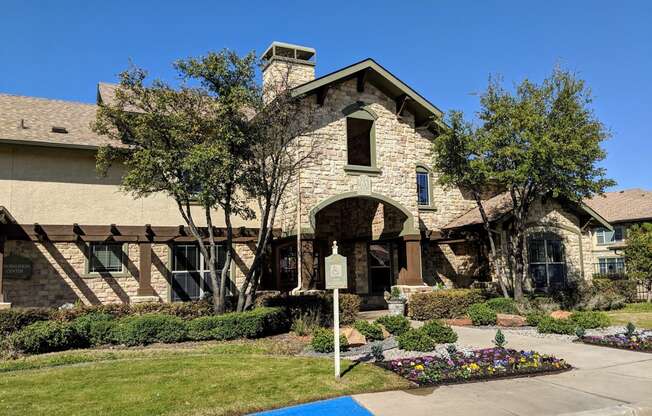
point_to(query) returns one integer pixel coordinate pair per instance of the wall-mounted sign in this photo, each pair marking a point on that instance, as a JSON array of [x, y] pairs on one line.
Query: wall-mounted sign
[[336, 275], [16, 267]]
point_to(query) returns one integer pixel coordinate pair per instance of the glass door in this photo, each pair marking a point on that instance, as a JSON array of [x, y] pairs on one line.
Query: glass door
[[381, 276]]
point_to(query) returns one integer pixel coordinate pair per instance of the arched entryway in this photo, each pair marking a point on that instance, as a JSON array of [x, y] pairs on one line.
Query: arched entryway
[[375, 233]]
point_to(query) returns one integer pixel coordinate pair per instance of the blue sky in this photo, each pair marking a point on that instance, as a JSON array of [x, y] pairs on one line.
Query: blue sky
[[444, 49]]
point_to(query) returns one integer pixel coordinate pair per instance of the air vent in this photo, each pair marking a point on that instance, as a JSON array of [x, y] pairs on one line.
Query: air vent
[[56, 129]]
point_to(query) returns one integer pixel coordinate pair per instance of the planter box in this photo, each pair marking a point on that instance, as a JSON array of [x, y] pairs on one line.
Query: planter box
[[396, 307]]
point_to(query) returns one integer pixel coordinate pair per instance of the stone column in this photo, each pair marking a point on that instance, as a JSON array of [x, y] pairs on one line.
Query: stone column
[[410, 274], [3, 303], [145, 290]]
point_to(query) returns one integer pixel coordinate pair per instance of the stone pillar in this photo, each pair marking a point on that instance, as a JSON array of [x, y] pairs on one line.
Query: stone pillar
[[145, 290], [3, 303], [410, 273]]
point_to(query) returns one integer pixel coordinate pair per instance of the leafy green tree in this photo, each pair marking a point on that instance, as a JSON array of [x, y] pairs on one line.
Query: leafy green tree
[[638, 251], [537, 141], [189, 143]]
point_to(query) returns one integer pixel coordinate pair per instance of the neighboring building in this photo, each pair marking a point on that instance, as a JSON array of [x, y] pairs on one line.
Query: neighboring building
[[622, 209], [67, 235]]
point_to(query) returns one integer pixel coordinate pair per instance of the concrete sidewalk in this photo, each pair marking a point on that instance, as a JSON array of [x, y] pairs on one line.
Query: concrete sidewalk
[[602, 378]]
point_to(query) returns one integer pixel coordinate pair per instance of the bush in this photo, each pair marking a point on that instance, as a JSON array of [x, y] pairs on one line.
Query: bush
[[323, 341], [394, 324], [46, 336], [317, 305], [503, 305], [440, 333], [603, 294], [372, 332], [481, 314], [416, 340], [533, 318], [96, 328], [441, 304], [147, 329], [250, 324], [12, 320], [591, 319], [549, 325], [622, 287]]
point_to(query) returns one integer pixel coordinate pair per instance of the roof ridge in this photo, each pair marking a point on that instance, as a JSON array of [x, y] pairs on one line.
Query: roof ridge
[[56, 100]]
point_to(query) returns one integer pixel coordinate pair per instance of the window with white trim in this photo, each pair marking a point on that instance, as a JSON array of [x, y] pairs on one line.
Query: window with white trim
[[605, 236], [611, 265], [105, 258]]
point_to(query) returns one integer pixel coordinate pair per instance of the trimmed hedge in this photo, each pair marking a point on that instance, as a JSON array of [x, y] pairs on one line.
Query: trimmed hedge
[[503, 305], [440, 333], [372, 332], [96, 328], [314, 305], [482, 314], [47, 336], [12, 320], [591, 319], [443, 304], [148, 329], [250, 324], [323, 340], [416, 340], [549, 325], [394, 324]]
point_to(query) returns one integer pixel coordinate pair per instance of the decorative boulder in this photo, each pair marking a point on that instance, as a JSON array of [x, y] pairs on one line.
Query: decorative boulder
[[386, 334], [353, 336], [503, 319], [458, 322], [560, 314]]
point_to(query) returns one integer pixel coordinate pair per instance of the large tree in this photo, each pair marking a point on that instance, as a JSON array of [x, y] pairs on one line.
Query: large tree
[[638, 251], [536, 141], [188, 142]]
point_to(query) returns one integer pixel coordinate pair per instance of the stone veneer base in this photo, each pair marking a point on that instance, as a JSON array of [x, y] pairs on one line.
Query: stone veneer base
[[5, 305], [144, 299]]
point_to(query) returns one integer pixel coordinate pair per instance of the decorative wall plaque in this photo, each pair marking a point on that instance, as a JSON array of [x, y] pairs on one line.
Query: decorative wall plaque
[[16, 267], [364, 185]]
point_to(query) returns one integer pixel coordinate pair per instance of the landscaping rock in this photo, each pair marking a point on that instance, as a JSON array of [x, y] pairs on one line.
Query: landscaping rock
[[560, 314], [458, 322], [504, 319], [353, 336], [386, 334]]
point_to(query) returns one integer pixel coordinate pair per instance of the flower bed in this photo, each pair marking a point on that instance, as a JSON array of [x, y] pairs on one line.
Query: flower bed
[[481, 364], [636, 342]]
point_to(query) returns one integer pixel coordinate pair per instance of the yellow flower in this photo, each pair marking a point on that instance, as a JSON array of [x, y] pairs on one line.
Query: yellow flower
[[419, 367]]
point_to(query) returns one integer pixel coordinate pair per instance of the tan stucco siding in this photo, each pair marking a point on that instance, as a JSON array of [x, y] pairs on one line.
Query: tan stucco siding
[[61, 186]]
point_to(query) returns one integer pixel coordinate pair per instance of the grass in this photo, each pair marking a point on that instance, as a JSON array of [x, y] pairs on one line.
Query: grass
[[640, 314], [227, 378]]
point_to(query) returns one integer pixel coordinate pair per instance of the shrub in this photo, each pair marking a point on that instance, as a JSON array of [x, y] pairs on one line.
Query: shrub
[[394, 324], [306, 323], [250, 324], [502, 305], [481, 314], [499, 340], [150, 328], [323, 341], [622, 287], [601, 295], [95, 327], [318, 305], [416, 340], [440, 333], [46, 336], [533, 318], [440, 304], [377, 352], [549, 325], [372, 332], [12, 320], [591, 319]]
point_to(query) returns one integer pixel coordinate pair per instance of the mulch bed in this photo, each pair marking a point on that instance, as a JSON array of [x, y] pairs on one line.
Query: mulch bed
[[636, 342], [478, 365]]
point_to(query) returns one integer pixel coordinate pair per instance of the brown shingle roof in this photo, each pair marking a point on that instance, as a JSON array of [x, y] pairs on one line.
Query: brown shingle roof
[[30, 120], [494, 207], [625, 205]]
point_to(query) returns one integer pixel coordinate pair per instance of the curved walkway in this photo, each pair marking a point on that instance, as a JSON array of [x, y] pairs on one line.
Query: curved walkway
[[602, 378]]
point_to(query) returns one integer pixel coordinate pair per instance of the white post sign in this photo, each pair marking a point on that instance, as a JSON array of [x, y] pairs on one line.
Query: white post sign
[[336, 279]]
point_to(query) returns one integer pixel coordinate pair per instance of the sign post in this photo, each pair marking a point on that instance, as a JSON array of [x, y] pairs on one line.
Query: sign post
[[336, 279]]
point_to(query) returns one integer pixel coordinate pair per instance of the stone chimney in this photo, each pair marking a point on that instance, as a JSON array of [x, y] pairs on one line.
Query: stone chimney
[[287, 66]]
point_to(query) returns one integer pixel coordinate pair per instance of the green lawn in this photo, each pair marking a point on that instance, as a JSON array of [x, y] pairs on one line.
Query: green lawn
[[640, 314], [208, 379]]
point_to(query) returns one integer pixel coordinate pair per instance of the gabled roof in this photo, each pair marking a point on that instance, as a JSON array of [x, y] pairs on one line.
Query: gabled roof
[[30, 120], [372, 72], [623, 206], [499, 207]]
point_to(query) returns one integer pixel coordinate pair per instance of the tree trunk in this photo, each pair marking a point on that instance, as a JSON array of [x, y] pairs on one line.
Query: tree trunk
[[227, 259], [493, 257]]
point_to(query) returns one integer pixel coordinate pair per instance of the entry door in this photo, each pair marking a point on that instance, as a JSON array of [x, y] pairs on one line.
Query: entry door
[[191, 279], [381, 276]]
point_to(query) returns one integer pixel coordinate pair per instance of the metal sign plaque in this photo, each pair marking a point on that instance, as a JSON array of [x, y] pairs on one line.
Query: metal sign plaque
[[17, 267], [336, 274]]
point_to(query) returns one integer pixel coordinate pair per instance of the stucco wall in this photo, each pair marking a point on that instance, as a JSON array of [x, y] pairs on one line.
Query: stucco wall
[[61, 186]]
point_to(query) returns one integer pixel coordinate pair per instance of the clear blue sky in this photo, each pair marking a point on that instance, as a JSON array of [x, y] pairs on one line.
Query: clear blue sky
[[444, 49]]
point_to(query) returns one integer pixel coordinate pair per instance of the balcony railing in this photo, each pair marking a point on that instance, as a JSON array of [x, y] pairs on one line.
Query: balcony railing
[[611, 269]]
